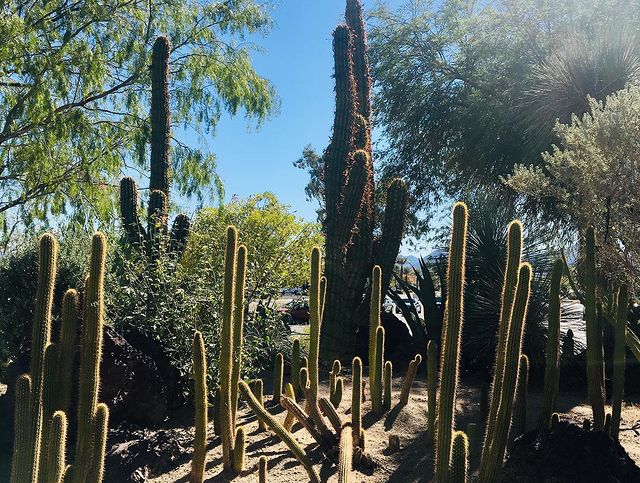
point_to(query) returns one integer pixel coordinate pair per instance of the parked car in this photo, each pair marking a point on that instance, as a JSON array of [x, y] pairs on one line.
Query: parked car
[[295, 311]]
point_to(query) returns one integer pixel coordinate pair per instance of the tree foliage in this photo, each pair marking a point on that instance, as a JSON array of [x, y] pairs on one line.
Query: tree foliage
[[460, 83], [592, 174], [74, 95]]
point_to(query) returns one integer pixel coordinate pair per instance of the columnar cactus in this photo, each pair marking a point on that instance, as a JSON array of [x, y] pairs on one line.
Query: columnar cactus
[[278, 371], [459, 458], [160, 180], [258, 391], [387, 383], [407, 383], [376, 384], [552, 366], [519, 423], [239, 450], [262, 470], [54, 457], [200, 397], [289, 418], [375, 357], [22, 461], [66, 355], [349, 188], [279, 430], [500, 414], [295, 367], [346, 456], [595, 361], [238, 327], [335, 384], [316, 303], [356, 399], [432, 386], [451, 334], [619, 359]]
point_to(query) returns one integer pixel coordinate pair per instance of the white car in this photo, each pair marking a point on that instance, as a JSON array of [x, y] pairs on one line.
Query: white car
[[390, 307]]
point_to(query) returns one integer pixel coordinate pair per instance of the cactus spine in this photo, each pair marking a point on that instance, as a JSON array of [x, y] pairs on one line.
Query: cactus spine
[[277, 378], [496, 435], [346, 456], [356, 399], [295, 367], [519, 423], [279, 430], [408, 379], [432, 386], [459, 458], [619, 360], [262, 470], [595, 363], [552, 366], [388, 379], [451, 332], [200, 396], [349, 187], [315, 318]]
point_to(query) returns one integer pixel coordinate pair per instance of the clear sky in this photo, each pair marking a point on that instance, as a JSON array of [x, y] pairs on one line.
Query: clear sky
[[297, 59]]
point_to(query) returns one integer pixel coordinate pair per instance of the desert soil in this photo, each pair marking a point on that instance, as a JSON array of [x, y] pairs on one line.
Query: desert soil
[[413, 462]]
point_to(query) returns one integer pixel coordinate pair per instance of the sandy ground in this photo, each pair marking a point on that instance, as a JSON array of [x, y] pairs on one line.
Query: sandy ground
[[412, 463]]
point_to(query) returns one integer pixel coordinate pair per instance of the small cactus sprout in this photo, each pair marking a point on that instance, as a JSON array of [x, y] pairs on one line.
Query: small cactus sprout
[[336, 397], [346, 456], [376, 395], [388, 380], [200, 396], [262, 470], [239, 450], [295, 367], [408, 379], [619, 360], [432, 386], [451, 334], [459, 458], [278, 371], [356, 399]]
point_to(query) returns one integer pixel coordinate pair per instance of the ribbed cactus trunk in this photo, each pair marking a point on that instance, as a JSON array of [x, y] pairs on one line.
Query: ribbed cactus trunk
[[459, 458], [346, 455], [595, 358], [376, 351], [200, 399], [356, 399], [316, 306], [451, 335], [552, 365], [619, 360], [349, 188], [160, 117]]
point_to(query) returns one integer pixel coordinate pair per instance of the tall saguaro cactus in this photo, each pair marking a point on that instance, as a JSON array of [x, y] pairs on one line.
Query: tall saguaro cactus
[[349, 187], [152, 239], [595, 358], [451, 335]]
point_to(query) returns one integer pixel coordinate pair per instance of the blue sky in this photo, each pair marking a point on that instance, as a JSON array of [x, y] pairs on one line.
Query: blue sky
[[297, 59]]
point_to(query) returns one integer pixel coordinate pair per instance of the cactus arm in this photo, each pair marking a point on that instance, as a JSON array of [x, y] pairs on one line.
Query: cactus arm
[[303, 418], [459, 458], [295, 367], [374, 323], [315, 320], [552, 365], [356, 399], [277, 378], [336, 397], [346, 456], [101, 422], [326, 407], [54, 464], [200, 396], [376, 394], [595, 365], [160, 116], [22, 462], [48, 403], [238, 325], [226, 348], [289, 418], [279, 430], [407, 383], [451, 333], [388, 380], [134, 231], [68, 336], [239, 450], [432, 386], [619, 360]]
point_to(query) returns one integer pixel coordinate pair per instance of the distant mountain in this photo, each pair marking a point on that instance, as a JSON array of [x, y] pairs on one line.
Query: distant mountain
[[414, 261]]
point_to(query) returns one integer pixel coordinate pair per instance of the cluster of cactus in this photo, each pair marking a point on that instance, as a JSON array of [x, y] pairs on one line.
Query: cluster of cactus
[[235, 266], [349, 191], [43, 395], [154, 238]]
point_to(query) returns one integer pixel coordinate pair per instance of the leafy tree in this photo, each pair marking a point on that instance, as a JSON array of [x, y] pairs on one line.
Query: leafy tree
[[278, 243], [592, 174], [312, 162], [466, 89], [74, 92]]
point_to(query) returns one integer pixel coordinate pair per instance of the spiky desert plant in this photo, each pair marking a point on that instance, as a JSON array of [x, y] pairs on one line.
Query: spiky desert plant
[[152, 238], [22, 463], [346, 456], [513, 258], [92, 416], [459, 458], [335, 384], [278, 371], [388, 380], [552, 366], [66, 355], [356, 399], [451, 332], [432, 386], [376, 393], [275, 426], [407, 383], [619, 360], [375, 357], [200, 397], [258, 391], [349, 187], [595, 358], [336, 397], [262, 470], [316, 303], [497, 431], [295, 367], [54, 457], [289, 418], [239, 450], [473, 436], [238, 327], [519, 423]]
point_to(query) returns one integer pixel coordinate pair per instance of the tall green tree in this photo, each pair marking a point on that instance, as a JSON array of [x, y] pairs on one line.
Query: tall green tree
[[465, 89], [75, 87]]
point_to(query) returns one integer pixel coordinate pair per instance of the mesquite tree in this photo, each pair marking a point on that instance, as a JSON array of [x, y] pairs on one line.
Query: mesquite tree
[[351, 247]]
